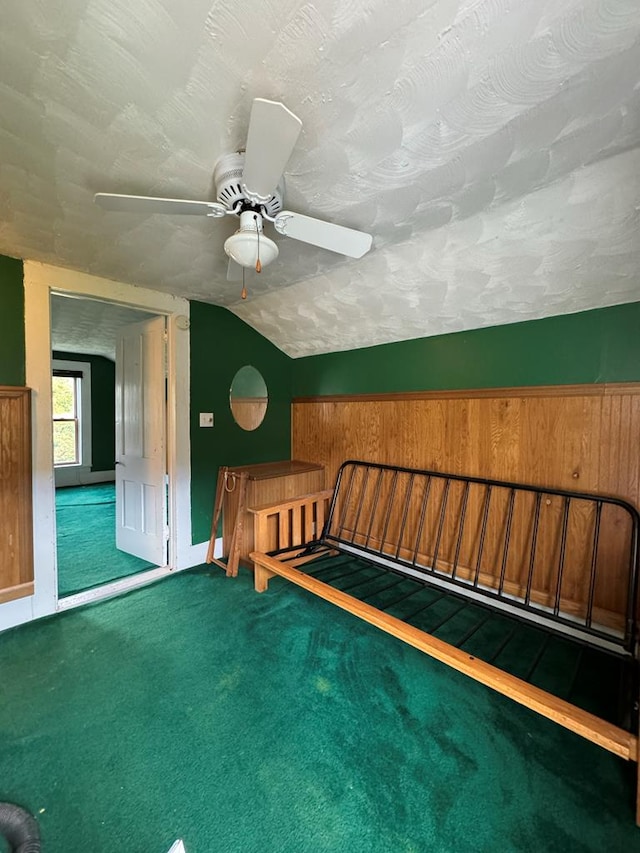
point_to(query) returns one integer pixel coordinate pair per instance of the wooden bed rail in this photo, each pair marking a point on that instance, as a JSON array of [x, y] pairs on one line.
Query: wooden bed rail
[[292, 523]]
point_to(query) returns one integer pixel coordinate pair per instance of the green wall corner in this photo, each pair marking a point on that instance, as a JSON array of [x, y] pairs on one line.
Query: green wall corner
[[221, 344]]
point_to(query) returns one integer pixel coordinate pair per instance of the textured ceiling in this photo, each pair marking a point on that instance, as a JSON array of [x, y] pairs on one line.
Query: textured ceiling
[[88, 326], [490, 146]]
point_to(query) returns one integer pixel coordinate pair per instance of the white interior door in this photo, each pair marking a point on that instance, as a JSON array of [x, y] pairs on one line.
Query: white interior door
[[141, 499]]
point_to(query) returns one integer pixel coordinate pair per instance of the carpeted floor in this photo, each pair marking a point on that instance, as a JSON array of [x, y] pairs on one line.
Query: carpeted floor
[[86, 539], [588, 677], [277, 723]]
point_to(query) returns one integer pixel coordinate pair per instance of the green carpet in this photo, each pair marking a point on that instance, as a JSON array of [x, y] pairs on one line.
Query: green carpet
[[86, 539], [249, 723], [590, 678]]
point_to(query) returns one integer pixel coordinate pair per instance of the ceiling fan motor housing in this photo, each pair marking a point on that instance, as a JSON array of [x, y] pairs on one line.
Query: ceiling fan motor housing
[[227, 176]]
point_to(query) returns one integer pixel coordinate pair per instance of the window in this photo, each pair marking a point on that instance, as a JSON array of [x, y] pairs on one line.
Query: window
[[71, 411], [65, 392]]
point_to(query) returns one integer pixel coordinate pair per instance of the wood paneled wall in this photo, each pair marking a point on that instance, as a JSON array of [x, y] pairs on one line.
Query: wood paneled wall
[[581, 437], [16, 530]]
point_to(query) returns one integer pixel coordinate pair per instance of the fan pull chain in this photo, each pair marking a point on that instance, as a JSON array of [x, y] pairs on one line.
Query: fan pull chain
[[243, 295], [258, 264]]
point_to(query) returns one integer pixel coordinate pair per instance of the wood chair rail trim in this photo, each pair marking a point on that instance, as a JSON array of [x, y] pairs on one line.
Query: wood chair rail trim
[[21, 590], [603, 389]]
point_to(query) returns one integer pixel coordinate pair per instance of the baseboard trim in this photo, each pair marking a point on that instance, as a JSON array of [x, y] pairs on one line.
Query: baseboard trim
[[81, 477]]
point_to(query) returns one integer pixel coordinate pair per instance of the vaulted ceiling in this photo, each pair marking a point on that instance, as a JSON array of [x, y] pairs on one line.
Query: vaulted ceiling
[[492, 147]]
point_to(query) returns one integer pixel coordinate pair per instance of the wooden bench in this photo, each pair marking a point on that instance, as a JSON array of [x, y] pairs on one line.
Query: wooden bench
[[452, 565]]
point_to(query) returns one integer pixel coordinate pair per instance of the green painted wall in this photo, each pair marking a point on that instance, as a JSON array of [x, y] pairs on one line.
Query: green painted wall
[[220, 345], [12, 354], [103, 408], [593, 346]]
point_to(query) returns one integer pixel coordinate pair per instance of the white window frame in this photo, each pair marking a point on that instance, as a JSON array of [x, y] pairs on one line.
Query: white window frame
[[69, 474]]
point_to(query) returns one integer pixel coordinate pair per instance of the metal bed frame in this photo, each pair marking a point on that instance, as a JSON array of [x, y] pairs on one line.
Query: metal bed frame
[[412, 551]]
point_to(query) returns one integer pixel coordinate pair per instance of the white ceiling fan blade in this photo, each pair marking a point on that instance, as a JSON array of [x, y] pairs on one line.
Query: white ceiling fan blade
[[273, 133], [326, 235], [147, 204]]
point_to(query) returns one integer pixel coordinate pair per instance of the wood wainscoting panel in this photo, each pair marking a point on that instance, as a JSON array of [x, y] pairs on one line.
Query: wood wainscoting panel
[[16, 535], [585, 441], [582, 441]]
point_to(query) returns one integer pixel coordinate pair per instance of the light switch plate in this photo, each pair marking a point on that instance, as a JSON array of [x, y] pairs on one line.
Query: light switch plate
[[206, 419]]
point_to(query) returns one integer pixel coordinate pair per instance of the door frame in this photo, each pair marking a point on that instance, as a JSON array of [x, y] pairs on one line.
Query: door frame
[[40, 280]]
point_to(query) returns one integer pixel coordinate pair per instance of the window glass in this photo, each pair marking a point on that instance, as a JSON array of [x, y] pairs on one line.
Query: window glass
[[66, 444], [64, 397], [65, 447]]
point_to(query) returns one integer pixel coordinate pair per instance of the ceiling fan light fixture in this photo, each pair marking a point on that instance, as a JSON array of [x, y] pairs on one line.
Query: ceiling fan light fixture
[[249, 244], [243, 248]]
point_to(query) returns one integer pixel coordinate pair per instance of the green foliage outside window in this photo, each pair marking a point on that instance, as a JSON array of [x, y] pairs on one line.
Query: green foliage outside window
[[65, 423]]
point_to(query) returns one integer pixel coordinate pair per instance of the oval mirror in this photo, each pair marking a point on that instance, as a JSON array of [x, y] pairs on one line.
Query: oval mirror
[[248, 397]]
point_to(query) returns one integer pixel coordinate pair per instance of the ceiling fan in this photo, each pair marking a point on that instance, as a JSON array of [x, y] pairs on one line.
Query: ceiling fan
[[249, 185]]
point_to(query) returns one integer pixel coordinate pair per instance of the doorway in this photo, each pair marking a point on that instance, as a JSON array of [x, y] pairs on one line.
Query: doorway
[[40, 280], [97, 351]]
